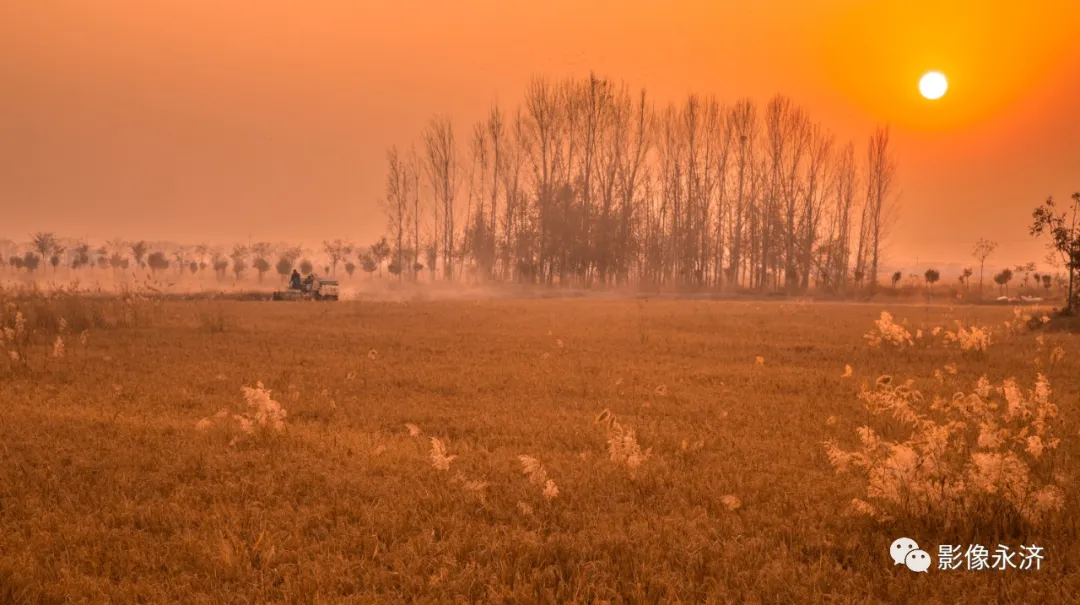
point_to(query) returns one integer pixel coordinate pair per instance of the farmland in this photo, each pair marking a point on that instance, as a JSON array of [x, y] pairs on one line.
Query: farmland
[[132, 473]]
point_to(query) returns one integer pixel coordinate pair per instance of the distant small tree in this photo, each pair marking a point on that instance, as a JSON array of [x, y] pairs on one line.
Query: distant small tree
[[1003, 278], [43, 243], [219, 263], [965, 278], [431, 255], [54, 258], [30, 261], [261, 251], [261, 266], [1026, 271], [17, 262], [350, 268], [394, 268], [82, 256], [284, 267], [931, 276], [380, 251], [368, 264], [983, 249], [306, 267], [118, 249], [286, 262], [180, 256], [1047, 281], [239, 260], [201, 251], [157, 262], [138, 252], [193, 267], [335, 250], [896, 277]]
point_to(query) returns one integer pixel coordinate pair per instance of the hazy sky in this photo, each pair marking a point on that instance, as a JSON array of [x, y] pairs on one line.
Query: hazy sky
[[215, 119]]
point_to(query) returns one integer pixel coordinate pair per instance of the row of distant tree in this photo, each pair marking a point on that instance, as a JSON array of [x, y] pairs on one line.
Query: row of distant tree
[[1032, 281], [262, 258], [1060, 227], [589, 183], [46, 250]]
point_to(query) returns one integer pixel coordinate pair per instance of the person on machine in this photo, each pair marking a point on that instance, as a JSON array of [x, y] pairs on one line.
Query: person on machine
[[294, 280]]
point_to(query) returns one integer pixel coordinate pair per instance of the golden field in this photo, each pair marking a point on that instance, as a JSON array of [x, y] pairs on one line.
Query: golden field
[[119, 484]]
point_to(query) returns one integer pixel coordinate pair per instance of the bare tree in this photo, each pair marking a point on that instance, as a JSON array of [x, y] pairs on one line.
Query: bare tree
[[983, 249], [414, 172], [881, 173], [787, 132], [818, 184], [496, 135], [744, 123], [476, 230], [544, 123], [442, 171], [398, 196], [845, 184]]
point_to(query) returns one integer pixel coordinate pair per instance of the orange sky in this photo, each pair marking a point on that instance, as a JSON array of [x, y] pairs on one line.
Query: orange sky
[[209, 120]]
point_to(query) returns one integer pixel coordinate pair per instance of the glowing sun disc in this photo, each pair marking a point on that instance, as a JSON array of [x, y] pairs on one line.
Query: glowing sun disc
[[933, 85]]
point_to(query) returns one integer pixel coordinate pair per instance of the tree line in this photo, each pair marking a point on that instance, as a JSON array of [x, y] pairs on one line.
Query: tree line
[[587, 183], [46, 250]]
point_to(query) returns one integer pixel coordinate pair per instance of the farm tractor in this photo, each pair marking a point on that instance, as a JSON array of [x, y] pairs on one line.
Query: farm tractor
[[312, 288]]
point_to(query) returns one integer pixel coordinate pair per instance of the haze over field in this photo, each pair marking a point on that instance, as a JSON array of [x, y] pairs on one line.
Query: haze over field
[[206, 121], [507, 301]]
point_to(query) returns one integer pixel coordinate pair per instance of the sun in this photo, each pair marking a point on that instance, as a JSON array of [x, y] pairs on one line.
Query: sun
[[933, 85]]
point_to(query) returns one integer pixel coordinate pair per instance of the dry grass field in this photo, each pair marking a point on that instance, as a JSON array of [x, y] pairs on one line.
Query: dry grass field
[[120, 481]]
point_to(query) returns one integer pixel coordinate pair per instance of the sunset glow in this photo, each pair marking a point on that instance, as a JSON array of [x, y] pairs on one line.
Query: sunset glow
[[561, 301], [253, 111]]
